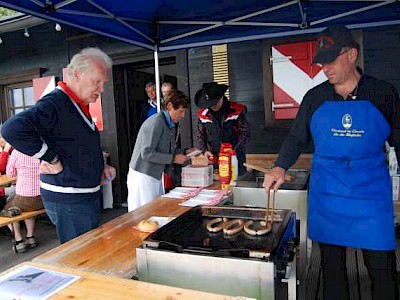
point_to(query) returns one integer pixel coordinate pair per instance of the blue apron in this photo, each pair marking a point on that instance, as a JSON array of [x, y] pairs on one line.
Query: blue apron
[[350, 200]]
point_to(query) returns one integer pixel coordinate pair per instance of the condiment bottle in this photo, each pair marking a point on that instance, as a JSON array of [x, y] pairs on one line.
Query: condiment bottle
[[234, 167], [225, 169]]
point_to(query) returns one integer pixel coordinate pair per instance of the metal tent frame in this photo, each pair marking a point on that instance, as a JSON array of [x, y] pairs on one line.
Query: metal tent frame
[[162, 25]]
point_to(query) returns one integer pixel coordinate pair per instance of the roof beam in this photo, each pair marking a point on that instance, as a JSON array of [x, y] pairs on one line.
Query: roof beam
[[64, 3], [38, 3], [120, 21], [221, 23], [352, 12]]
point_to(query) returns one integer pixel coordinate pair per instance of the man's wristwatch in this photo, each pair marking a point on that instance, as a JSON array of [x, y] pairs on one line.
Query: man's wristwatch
[[55, 160]]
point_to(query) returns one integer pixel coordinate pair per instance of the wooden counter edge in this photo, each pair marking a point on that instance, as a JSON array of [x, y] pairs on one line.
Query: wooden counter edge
[[97, 286]]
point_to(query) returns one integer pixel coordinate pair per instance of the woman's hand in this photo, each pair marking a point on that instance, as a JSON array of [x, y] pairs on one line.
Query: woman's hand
[[180, 158], [210, 157]]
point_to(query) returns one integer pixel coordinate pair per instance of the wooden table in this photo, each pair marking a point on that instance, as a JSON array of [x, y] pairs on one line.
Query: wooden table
[[111, 248], [96, 286], [6, 180], [266, 161], [23, 216]]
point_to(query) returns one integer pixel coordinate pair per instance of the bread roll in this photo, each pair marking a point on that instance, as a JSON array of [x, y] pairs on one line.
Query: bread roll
[[148, 225]]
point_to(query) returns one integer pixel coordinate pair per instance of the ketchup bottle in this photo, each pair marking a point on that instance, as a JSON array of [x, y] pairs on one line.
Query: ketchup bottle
[[225, 168]]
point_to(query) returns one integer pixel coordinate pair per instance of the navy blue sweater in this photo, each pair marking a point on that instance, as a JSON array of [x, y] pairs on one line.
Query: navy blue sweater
[[57, 126]]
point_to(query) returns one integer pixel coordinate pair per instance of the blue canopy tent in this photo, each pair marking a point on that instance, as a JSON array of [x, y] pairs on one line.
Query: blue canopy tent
[[162, 25]]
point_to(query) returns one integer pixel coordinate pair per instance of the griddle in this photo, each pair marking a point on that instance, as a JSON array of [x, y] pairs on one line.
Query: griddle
[[187, 233]]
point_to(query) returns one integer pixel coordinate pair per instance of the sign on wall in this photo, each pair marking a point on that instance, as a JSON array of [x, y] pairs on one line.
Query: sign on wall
[[42, 86], [293, 75]]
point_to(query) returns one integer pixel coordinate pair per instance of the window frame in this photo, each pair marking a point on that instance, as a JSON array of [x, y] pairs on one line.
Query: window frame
[[14, 79], [9, 109]]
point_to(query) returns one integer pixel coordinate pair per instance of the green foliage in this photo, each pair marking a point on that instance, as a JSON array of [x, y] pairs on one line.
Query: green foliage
[[6, 12]]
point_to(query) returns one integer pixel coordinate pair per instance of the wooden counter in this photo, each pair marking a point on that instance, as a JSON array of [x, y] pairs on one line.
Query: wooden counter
[[96, 286], [266, 161], [111, 248]]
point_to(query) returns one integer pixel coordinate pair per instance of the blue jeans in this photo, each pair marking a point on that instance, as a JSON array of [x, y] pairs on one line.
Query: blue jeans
[[74, 219]]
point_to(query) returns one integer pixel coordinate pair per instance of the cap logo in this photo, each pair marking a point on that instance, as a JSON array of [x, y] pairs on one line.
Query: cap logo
[[325, 42]]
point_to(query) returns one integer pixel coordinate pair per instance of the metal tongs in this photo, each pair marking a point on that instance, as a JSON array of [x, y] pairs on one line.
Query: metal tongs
[[270, 210]]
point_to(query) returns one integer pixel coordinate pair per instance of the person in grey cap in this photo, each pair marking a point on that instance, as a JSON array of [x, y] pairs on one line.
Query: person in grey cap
[[221, 121], [349, 118]]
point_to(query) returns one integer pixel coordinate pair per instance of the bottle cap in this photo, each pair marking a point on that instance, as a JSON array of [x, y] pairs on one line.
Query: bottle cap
[[225, 147]]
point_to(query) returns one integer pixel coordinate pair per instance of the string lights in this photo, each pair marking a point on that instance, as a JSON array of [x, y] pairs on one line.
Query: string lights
[[26, 33]]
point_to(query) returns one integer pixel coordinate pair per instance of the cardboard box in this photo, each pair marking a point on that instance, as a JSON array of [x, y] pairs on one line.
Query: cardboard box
[[197, 176]]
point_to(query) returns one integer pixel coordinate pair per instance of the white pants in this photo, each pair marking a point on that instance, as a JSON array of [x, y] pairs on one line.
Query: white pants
[[142, 189]]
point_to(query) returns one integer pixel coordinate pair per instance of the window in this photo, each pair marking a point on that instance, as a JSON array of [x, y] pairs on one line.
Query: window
[[19, 98], [16, 92]]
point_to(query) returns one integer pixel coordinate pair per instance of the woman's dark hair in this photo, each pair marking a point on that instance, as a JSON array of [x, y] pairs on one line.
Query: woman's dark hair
[[177, 98]]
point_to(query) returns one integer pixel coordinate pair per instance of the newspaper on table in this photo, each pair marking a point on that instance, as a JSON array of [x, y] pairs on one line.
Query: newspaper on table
[[28, 282], [197, 196]]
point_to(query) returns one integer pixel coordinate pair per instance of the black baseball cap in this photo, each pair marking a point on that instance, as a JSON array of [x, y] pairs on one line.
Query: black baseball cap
[[331, 41]]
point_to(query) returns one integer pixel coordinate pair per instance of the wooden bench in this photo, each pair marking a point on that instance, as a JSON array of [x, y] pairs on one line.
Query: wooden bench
[[4, 221]]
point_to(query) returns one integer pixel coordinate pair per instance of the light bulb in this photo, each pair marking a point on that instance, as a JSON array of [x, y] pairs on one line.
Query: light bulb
[[26, 33], [57, 27], [1, 40]]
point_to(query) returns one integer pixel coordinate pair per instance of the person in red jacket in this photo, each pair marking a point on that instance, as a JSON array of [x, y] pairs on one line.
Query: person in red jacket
[[221, 121], [4, 154], [5, 151]]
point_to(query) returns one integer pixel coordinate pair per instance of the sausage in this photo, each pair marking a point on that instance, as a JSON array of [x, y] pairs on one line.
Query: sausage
[[215, 225], [233, 226], [249, 228]]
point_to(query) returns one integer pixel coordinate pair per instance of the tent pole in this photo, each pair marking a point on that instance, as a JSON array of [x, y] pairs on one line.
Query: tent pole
[[157, 74]]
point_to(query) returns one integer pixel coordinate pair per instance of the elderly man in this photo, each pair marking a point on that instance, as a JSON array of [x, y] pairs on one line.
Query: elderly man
[[61, 133], [349, 118], [166, 88], [149, 108]]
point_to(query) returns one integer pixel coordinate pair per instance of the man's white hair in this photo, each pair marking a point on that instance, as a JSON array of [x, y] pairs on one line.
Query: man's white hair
[[86, 58]]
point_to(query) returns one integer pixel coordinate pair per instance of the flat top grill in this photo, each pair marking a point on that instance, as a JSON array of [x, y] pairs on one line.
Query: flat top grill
[[188, 233]]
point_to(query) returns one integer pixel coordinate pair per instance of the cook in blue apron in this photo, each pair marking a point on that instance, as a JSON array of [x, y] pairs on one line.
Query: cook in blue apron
[[350, 201]]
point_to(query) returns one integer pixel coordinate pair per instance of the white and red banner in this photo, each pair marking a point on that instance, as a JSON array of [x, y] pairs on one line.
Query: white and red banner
[[42, 86], [293, 75]]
